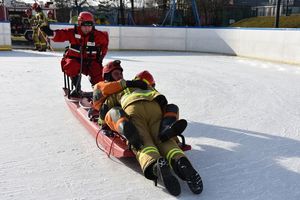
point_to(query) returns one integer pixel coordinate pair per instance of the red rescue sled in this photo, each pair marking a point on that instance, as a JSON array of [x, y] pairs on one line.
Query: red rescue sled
[[115, 145]]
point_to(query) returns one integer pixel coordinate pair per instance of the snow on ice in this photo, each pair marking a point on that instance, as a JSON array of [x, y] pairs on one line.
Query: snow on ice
[[243, 127]]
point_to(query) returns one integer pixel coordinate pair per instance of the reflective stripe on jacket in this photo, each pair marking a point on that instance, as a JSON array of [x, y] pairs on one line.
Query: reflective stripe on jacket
[[131, 95], [95, 49]]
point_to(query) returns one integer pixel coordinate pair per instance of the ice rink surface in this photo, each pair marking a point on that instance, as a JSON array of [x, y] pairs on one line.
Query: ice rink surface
[[244, 128]]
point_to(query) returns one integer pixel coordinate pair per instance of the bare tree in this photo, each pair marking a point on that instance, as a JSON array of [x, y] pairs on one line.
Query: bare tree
[[132, 9], [212, 11]]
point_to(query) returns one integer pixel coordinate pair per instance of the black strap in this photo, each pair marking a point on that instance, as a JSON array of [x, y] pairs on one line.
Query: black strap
[[75, 29], [90, 49]]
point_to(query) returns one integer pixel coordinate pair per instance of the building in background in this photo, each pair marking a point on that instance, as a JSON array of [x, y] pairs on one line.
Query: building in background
[[268, 7]]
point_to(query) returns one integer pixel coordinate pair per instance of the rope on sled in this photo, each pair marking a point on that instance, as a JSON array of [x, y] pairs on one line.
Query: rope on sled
[[112, 142], [97, 141], [110, 148]]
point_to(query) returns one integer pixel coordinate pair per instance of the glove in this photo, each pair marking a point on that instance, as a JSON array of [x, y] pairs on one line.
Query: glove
[[162, 101], [100, 60], [103, 111], [47, 30], [137, 84], [107, 131], [93, 115]]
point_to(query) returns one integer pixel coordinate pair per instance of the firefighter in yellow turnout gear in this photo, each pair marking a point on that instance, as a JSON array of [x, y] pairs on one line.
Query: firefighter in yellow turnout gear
[[41, 21], [33, 24], [50, 17], [140, 118]]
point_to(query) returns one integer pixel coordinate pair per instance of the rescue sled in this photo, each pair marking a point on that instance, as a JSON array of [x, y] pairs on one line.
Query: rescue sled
[[114, 144]]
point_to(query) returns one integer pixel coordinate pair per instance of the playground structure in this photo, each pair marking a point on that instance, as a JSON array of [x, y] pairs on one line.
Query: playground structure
[[140, 12], [180, 9]]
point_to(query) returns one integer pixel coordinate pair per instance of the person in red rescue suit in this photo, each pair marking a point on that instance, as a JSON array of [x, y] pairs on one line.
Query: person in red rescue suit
[[137, 112], [87, 46]]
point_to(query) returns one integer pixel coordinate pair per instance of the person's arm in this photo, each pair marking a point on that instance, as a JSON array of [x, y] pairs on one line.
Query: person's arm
[[109, 88], [44, 21], [105, 44], [103, 89], [60, 35], [110, 102], [102, 41]]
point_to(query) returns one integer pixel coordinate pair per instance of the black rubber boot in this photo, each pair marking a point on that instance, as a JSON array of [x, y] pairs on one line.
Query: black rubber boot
[[162, 171], [171, 128], [127, 129], [184, 169], [76, 92]]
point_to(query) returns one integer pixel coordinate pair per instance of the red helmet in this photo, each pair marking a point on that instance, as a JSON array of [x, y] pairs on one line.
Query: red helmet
[[109, 67], [28, 11], [147, 77], [38, 8], [49, 12], [85, 18], [34, 6]]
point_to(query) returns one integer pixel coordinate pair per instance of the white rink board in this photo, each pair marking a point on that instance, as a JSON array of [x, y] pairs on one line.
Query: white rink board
[[149, 38], [5, 36], [271, 44]]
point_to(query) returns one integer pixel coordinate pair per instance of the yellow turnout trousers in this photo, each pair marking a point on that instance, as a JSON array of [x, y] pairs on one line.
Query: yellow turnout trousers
[[146, 116]]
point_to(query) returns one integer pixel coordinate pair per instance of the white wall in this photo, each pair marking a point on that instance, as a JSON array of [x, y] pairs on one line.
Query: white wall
[[152, 38], [279, 45], [271, 44], [5, 36]]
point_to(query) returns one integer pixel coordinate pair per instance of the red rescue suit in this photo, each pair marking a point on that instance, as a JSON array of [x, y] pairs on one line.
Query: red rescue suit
[[93, 46]]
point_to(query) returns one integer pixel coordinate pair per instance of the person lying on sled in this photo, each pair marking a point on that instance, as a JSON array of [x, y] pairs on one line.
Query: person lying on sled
[[170, 125], [143, 108]]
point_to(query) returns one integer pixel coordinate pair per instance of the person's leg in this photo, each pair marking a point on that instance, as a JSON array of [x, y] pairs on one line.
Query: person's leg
[[95, 72], [149, 153], [184, 169], [72, 68], [162, 168], [42, 39], [35, 39], [170, 125], [173, 154], [180, 164], [118, 121]]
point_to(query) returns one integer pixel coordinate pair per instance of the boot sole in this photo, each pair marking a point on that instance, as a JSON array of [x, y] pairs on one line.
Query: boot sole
[[175, 130], [171, 183], [192, 177], [179, 126]]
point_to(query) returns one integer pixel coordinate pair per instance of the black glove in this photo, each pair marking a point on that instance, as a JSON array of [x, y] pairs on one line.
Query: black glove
[[93, 114], [103, 111], [137, 84], [100, 60], [47, 30], [107, 131], [162, 101]]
